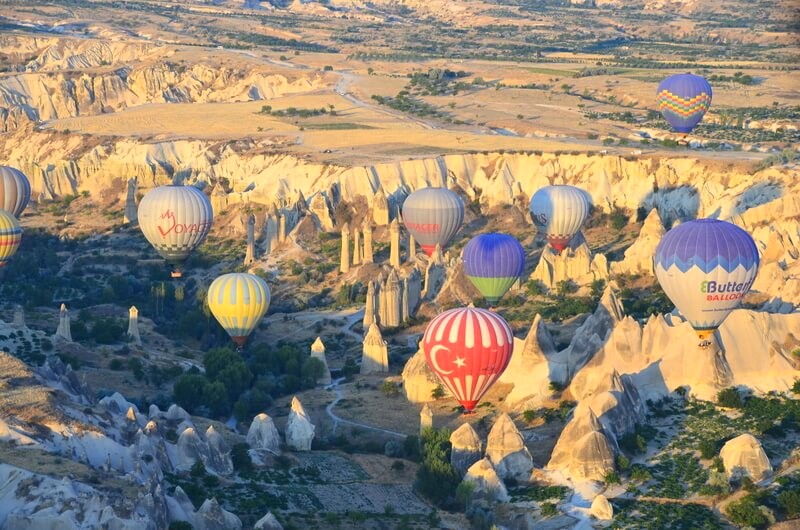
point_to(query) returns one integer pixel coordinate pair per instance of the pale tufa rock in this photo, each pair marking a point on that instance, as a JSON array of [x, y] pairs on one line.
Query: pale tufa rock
[[601, 509], [466, 448], [505, 448], [263, 435], [743, 456], [268, 522], [299, 429], [639, 256], [487, 483]]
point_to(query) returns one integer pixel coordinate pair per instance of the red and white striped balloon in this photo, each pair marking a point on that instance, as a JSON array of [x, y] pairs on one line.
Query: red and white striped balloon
[[468, 349]]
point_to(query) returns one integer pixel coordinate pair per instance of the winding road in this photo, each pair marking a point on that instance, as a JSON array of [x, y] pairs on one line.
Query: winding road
[[337, 420]]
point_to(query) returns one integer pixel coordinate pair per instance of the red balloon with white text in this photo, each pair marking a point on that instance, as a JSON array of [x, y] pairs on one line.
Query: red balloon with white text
[[468, 349]]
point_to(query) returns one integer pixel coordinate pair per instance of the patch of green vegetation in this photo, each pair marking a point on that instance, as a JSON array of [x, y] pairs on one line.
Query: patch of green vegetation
[[640, 515], [538, 493], [341, 126]]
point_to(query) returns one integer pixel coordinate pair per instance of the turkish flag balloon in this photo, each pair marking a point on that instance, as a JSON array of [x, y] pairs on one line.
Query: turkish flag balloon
[[468, 348]]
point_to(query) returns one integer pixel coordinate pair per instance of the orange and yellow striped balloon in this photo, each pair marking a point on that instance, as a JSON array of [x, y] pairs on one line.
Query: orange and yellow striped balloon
[[10, 236]]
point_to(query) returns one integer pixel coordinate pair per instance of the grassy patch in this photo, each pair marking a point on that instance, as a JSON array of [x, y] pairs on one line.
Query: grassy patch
[[341, 126]]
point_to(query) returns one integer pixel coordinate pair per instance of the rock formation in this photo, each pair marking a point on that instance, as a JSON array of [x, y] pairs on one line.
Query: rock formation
[[356, 248], [487, 483], [412, 249], [425, 418], [63, 330], [318, 352], [394, 244], [211, 516], [250, 252], [466, 448], [390, 301], [263, 435], [133, 326], [639, 256], [380, 208], [506, 450], [575, 264], [375, 353], [532, 368], [601, 509], [190, 449], [18, 319], [743, 456], [299, 429], [412, 293], [435, 277], [583, 452], [282, 228], [369, 309], [418, 379], [130, 215], [344, 256], [219, 454], [321, 212], [367, 228], [268, 522]]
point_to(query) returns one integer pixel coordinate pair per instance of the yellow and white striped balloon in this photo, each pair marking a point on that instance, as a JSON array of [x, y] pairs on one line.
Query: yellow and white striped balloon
[[238, 301], [10, 236]]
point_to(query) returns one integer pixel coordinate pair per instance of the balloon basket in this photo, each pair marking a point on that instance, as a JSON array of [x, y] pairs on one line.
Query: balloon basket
[[176, 274]]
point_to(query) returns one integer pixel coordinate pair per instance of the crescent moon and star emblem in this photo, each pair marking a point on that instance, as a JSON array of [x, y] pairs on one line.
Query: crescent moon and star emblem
[[460, 362]]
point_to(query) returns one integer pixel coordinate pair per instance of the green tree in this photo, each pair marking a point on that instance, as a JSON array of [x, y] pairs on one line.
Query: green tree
[[189, 390], [215, 397], [789, 501], [313, 369], [437, 479], [241, 458], [747, 512], [730, 398]]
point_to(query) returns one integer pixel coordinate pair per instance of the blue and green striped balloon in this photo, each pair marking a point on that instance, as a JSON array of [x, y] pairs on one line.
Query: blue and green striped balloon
[[493, 262]]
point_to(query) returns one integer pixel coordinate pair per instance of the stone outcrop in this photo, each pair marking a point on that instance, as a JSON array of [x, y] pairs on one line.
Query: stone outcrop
[[299, 429], [250, 250], [268, 522], [380, 208], [583, 451], [425, 418], [370, 304], [219, 453], [639, 256], [601, 509], [133, 326], [211, 516], [412, 249], [375, 352], [394, 244], [263, 435], [131, 213], [344, 256], [574, 264], [466, 448], [506, 450], [63, 331], [321, 212], [743, 456], [532, 368], [367, 229], [318, 352], [486, 481], [356, 247], [390, 301], [418, 379]]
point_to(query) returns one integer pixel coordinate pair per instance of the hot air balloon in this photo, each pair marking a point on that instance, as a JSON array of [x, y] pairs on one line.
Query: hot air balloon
[[15, 190], [706, 267], [433, 216], [468, 349], [493, 262], [238, 301], [683, 99], [175, 220], [558, 212], [10, 236]]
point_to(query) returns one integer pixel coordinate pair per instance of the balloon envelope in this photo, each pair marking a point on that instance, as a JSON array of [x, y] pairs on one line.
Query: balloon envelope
[[493, 262], [468, 349], [238, 301], [683, 99], [433, 216], [558, 212], [706, 267], [15, 190], [175, 220], [10, 236]]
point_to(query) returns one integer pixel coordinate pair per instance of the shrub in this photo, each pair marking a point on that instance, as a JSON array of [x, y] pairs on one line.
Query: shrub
[[789, 501], [549, 509], [241, 458], [438, 392], [390, 389], [730, 398], [747, 513], [708, 448], [437, 479]]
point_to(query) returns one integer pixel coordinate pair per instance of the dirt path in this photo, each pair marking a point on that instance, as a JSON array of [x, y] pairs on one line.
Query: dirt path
[[337, 420]]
